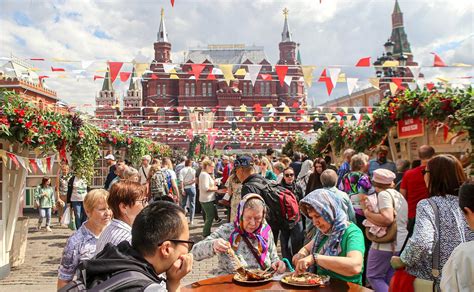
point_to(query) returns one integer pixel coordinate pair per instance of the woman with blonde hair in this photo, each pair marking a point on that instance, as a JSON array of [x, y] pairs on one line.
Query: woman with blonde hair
[[266, 169], [82, 243]]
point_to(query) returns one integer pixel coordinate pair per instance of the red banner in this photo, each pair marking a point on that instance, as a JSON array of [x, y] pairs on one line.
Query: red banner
[[410, 128]]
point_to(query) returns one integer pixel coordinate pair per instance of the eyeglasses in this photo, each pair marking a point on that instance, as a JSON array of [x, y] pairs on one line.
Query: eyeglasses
[[144, 202], [424, 171], [188, 242], [289, 174]]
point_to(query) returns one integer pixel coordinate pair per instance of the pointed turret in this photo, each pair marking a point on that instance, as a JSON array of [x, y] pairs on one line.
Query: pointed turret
[[399, 37], [107, 85], [133, 83], [162, 45], [162, 34], [287, 45], [286, 34]]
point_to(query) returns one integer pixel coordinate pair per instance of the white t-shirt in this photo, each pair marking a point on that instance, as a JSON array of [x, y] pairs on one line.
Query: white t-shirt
[[458, 272], [401, 207], [186, 175], [143, 174], [206, 182]]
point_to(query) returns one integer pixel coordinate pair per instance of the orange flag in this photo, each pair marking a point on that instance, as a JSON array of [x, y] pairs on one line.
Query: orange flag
[[438, 62]]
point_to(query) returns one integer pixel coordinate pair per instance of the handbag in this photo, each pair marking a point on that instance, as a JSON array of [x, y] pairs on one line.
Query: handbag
[[391, 234]]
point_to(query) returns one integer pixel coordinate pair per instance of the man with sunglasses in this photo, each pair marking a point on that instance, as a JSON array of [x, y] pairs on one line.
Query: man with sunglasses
[[160, 244]]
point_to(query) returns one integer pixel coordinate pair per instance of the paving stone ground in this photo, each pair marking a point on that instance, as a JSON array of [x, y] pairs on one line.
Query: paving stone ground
[[43, 254]]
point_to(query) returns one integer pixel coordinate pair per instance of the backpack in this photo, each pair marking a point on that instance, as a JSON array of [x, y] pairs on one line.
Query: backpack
[[282, 204], [119, 281], [168, 179], [158, 185]]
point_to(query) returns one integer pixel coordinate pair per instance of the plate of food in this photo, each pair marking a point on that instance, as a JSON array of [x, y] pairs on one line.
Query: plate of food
[[253, 276], [305, 280]]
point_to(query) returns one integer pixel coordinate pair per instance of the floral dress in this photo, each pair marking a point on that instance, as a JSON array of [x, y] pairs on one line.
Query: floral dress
[[354, 183], [204, 250]]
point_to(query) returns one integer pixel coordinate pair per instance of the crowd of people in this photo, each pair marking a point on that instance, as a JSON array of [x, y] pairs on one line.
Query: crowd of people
[[368, 221]]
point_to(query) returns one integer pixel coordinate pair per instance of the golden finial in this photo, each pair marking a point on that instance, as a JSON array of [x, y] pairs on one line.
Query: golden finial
[[285, 12], [162, 12]]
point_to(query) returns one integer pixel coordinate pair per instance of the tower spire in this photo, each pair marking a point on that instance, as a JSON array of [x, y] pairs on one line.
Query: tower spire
[[399, 37], [162, 34], [133, 85], [107, 85], [286, 34]]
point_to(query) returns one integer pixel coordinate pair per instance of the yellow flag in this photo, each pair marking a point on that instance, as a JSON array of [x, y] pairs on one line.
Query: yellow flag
[[461, 65], [271, 119], [443, 79], [308, 75], [390, 64], [243, 108], [140, 68], [3, 156], [375, 82], [227, 72], [329, 116], [342, 77], [173, 74], [286, 109], [393, 88], [240, 72]]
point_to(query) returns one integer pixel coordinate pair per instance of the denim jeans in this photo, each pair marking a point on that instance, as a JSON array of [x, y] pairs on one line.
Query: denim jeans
[[191, 198], [79, 213], [45, 212], [291, 240]]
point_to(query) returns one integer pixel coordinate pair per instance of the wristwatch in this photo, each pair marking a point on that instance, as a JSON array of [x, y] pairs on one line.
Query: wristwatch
[[315, 258]]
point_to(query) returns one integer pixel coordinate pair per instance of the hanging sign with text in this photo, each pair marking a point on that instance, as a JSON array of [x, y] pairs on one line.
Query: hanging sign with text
[[409, 128]]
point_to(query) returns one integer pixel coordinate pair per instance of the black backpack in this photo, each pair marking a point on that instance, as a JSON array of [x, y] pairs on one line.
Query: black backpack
[[119, 281], [158, 185], [282, 204]]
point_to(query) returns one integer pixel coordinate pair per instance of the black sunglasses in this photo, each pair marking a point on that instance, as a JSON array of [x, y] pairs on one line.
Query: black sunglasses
[[424, 171], [289, 174], [188, 242]]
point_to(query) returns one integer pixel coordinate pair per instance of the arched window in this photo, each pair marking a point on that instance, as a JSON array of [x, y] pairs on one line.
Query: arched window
[[158, 90], [193, 89], [267, 86], [250, 88], [186, 89], [204, 89], [262, 88], [244, 88], [163, 89]]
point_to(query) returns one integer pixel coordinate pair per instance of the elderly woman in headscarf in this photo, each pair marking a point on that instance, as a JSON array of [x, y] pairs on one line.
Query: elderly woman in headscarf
[[249, 236], [337, 249]]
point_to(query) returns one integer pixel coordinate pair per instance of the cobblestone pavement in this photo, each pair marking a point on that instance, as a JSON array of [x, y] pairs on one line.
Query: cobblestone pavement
[[44, 249]]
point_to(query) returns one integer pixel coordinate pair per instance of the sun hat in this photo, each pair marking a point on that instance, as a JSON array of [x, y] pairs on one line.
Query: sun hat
[[110, 157], [147, 157], [383, 176]]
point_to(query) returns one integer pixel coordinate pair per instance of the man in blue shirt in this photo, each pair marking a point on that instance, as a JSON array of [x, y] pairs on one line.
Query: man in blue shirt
[[346, 166], [381, 161]]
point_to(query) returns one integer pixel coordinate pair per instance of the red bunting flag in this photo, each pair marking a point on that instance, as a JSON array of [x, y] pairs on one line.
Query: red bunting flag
[[295, 105], [98, 77], [57, 69], [48, 163], [42, 77], [197, 69], [281, 71], [211, 76], [33, 164], [267, 77], [398, 81], [172, 3], [430, 86], [438, 62], [364, 62], [327, 80], [14, 159], [153, 76], [36, 59], [124, 76], [114, 68]]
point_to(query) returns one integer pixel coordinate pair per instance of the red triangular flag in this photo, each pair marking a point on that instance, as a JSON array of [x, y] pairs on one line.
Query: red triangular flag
[[42, 77], [36, 59], [438, 62], [197, 69], [398, 81], [430, 86], [114, 68], [445, 132], [124, 76], [211, 76], [172, 3], [267, 77], [98, 77], [33, 164], [327, 80], [295, 105], [281, 71], [57, 69], [14, 159], [153, 76], [179, 109], [364, 62], [48, 163]]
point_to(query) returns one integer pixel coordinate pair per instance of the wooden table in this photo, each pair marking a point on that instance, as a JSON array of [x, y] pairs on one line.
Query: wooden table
[[226, 284]]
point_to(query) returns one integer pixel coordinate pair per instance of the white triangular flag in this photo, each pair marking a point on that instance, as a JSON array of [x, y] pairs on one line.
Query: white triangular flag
[[415, 71], [288, 80], [168, 67], [253, 72], [334, 75], [351, 84], [421, 83], [412, 85], [78, 71], [86, 63]]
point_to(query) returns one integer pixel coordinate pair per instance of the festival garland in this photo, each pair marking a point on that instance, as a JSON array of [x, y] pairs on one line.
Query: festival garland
[[50, 132]]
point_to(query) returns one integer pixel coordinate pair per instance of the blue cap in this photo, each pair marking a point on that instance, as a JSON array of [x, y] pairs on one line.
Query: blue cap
[[243, 161]]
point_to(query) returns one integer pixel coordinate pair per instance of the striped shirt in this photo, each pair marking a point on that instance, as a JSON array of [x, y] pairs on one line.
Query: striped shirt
[[115, 233]]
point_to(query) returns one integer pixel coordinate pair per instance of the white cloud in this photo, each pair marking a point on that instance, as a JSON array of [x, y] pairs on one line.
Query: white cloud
[[334, 32]]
